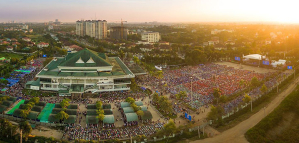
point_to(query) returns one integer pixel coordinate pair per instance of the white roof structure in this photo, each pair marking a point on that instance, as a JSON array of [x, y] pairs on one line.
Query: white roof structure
[[254, 57], [279, 62]]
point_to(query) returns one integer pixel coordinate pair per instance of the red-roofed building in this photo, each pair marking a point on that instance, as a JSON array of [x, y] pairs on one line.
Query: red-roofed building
[[26, 39], [75, 48], [9, 48], [14, 40], [42, 44], [4, 43]]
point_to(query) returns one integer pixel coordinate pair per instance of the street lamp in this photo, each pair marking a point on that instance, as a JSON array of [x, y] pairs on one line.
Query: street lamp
[[191, 88]]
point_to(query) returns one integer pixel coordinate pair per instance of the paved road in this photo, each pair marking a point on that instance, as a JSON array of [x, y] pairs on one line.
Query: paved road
[[236, 134]]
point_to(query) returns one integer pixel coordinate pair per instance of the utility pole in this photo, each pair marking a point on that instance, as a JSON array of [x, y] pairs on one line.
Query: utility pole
[[251, 104], [191, 89]]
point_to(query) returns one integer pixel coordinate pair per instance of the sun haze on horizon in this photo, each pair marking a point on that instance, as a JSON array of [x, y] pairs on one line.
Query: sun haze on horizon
[[151, 10]]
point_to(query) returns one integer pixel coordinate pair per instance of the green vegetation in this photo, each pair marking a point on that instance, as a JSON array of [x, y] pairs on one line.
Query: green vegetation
[[24, 112], [163, 104], [274, 128], [11, 55], [100, 110]]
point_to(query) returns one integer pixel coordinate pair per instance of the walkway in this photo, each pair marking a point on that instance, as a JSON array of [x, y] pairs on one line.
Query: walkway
[[10, 112], [44, 115]]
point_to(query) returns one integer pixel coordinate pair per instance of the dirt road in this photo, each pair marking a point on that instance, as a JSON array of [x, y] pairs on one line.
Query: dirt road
[[236, 134]]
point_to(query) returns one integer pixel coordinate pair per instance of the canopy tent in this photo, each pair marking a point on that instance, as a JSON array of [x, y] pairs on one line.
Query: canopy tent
[[3, 108], [92, 120], [13, 99], [108, 119], [37, 108], [139, 103], [71, 119], [17, 113], [147, 115], [26, 101], [22, 106], [73, 106], [52, 118], [128, 110], [7, 103], [131, 117], [125, 104], [32, 115], [143, 108], [91, 106], [41, 104], [91, 112], [57, 105], [106, 106], [56, 110], [108, 112], [71, 111]]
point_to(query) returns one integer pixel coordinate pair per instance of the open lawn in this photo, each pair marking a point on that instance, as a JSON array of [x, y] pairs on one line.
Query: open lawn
[[10, 55]]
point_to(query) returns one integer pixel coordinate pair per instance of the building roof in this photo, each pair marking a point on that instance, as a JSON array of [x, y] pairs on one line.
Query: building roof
[[90, 61], [84, 55]]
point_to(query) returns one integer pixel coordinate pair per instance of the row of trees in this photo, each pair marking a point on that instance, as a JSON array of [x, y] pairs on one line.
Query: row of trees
[[62, 115], [163, 103], [33, 101], [136, 108], [100, 110]]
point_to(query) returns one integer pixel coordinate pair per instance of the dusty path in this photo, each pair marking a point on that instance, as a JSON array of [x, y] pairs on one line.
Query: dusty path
[[236, 134]]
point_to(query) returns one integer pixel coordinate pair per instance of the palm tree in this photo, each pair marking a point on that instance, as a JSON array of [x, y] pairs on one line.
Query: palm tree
[[241, 83], [25, 129]]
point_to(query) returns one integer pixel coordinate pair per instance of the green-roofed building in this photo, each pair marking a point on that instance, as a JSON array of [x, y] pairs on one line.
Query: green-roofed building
[[83, 71]]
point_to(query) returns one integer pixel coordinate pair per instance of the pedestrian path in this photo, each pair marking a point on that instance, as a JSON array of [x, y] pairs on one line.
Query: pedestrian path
[[10, 112], [44, 115]]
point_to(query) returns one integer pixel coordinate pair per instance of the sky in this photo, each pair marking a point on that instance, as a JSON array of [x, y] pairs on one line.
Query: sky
[[150, 10]]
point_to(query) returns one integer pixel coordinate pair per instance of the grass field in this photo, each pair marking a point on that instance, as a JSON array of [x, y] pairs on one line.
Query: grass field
[[12, 55]]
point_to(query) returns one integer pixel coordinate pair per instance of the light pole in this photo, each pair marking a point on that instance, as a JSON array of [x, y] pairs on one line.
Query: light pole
[[191, 88]]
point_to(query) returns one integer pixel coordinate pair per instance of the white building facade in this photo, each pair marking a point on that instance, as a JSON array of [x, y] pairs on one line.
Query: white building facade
[[152, 37]]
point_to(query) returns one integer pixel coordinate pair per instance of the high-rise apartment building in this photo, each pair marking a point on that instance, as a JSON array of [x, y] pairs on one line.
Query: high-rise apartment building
[[150, 36], [92, 28]]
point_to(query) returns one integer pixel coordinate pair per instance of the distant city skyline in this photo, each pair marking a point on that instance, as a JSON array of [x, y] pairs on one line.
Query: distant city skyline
[[150, 10]]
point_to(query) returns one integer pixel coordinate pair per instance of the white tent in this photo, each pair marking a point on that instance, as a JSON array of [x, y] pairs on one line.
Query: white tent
[[254, 57], [279, 62]]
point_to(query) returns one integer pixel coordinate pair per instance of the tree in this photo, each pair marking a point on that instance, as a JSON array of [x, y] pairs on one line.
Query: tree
[[130, 100], [136, 60], [254, 82], [241, 83], [165, 104], [170, 127], [99, 104], [65, 103], [216, 113], [101, 117], [62, 115], [133, 85], [217, 93], [35, 100], [25, 128], [181, 95], [246, 98], [24, 113], [140, 113], [156, 97], [223, 99], [264, 89]]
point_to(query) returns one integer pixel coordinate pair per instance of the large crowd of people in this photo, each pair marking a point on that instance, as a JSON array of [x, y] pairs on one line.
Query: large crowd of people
[[94, 132]]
